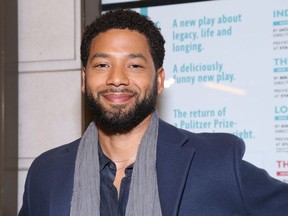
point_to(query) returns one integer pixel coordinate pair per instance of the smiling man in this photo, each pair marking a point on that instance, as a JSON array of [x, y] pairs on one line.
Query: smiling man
[[120, 80], [130, 162]]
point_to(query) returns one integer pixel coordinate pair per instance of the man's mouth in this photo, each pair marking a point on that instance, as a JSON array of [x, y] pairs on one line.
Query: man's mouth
[[118, 97]]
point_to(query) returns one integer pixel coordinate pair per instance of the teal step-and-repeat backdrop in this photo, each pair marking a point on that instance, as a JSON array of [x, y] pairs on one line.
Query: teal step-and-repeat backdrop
[[227, 71]]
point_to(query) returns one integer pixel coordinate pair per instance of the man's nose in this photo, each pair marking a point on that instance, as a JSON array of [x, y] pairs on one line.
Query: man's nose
[[118, 76]]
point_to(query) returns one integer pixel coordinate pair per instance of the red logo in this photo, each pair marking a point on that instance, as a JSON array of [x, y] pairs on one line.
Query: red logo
[[282, 164], [282, 173]]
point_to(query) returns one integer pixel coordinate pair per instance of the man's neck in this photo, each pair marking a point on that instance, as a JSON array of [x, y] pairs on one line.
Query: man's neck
[[123, 146]]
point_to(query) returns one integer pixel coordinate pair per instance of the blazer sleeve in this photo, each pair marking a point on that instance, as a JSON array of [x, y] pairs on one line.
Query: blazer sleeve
[[25, 209], [262, 194], [49, 182]]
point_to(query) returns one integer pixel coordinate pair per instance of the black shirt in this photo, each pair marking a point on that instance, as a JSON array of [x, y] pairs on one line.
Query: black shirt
[[109, 203]]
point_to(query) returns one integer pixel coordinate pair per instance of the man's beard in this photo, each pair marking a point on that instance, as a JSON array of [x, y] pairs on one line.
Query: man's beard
[[117, 120]]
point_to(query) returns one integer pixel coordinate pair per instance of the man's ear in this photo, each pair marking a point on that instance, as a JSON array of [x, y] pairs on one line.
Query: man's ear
[[160, 79], [83, 74]]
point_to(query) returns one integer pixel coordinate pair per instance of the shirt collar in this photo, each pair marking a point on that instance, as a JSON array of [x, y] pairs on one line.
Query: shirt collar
[[103, 159]]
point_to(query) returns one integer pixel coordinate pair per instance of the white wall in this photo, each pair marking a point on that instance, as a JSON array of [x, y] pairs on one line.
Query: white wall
[[49, 78]]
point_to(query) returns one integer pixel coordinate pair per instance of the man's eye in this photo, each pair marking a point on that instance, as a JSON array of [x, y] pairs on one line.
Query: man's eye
[[136, 66], [101, 66]]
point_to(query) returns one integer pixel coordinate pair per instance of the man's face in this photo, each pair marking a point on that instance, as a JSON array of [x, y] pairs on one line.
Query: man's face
[[120, 81]]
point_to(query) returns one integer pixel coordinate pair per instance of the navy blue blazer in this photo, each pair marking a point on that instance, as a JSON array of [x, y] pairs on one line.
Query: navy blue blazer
[[198, 175]]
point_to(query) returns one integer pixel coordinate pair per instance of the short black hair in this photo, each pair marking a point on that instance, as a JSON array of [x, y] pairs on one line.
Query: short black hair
[[125, 19]]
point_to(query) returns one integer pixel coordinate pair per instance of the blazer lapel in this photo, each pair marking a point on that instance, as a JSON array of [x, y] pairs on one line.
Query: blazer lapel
[[173, 163]]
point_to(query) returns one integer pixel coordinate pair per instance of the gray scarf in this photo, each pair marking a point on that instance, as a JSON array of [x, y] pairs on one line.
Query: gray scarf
[[143, 195]]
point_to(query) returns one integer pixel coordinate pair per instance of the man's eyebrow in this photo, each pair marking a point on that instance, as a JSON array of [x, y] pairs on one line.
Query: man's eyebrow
[[131, 55], [137, 55], [99, 55]]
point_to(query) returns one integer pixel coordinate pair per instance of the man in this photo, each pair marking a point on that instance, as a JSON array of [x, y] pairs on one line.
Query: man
[[129, 162]]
